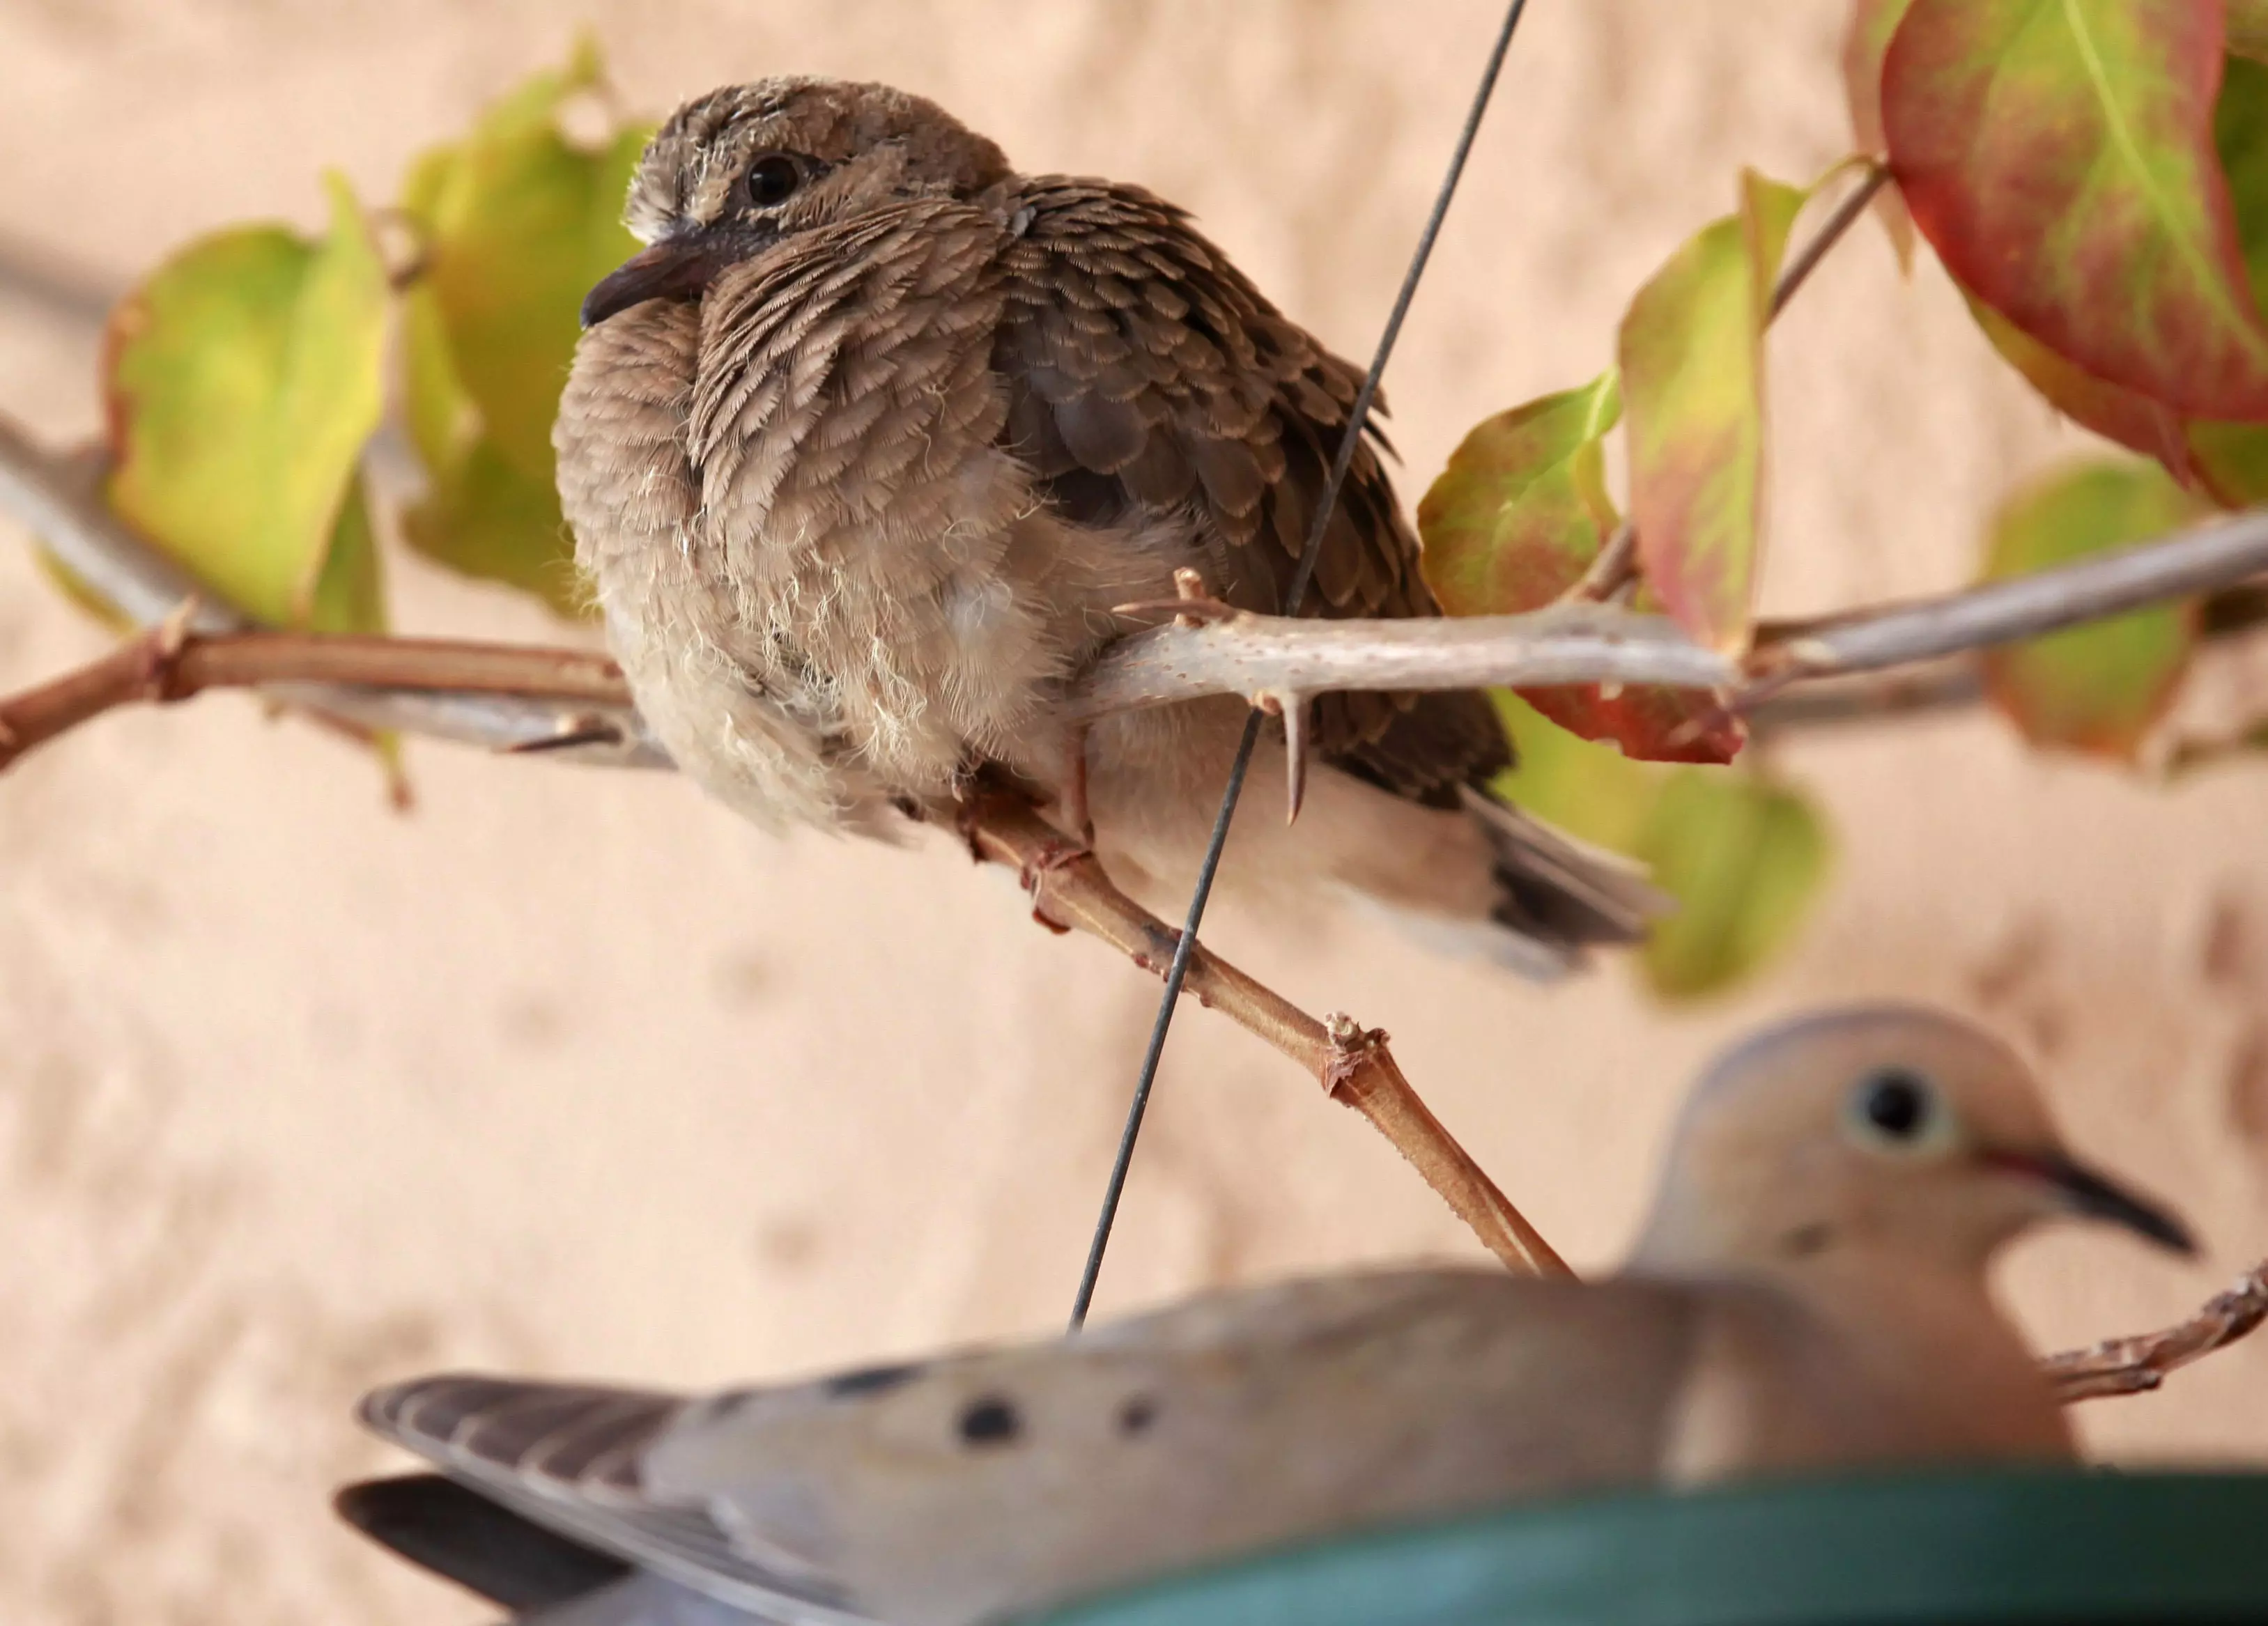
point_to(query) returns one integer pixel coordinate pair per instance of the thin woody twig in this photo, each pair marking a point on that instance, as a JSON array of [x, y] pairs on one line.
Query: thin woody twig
[[2136, 1364], [1070, 890], [1839, 220], [170, 663], [1614, 566], [49, 495]]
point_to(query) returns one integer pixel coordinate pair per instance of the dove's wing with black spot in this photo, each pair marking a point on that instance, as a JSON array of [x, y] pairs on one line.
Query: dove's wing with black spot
[[571, 1459], [990, 1484], [1147, 377]]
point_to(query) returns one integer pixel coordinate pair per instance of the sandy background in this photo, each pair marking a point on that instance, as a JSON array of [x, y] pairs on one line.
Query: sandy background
[[569, 1071]]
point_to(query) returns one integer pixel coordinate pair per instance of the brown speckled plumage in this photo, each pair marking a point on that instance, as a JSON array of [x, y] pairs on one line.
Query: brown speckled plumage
[[860, 466]]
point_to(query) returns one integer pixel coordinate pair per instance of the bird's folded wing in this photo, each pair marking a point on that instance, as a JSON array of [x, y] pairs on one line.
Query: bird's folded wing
[[570, 1458], [1147, 377], [997, 1482]]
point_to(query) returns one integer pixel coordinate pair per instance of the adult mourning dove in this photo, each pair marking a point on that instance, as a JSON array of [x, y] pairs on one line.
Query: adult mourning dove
[[863, 450], [1809, 1293]]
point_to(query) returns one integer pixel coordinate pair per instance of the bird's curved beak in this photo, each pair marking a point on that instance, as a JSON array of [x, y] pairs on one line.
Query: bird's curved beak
[[2091, 1193], [676, 268]]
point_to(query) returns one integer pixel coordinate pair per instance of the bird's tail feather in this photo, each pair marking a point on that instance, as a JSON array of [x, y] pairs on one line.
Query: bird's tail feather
[[1562, 892]]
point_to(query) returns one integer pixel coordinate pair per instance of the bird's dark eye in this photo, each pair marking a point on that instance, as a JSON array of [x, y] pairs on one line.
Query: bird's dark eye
[[1896, 1104], [773, 181]]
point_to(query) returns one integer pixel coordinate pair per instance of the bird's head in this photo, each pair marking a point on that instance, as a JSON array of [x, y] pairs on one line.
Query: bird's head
[[738, 170], [1886, 1127]]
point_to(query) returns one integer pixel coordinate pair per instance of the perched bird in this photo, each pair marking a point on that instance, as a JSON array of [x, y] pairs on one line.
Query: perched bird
[[1809, 1293], [865, 451]]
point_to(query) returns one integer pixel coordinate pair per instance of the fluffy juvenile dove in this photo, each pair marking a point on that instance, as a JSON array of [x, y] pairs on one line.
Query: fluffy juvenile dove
[[1809, 1294], [863, 450]]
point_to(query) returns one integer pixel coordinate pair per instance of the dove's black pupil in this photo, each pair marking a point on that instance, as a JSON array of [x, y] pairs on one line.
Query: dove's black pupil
[[771, 181], [1896, 1103]]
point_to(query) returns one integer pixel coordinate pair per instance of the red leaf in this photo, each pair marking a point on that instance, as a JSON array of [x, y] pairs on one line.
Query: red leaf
[[2059, 156]]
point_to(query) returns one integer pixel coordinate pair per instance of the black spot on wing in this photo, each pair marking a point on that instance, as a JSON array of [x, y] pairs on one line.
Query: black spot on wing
[[1136, 1414], [871, 1380], [990, 1420]]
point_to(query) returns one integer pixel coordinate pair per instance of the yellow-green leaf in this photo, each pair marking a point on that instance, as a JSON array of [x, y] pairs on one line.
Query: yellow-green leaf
[[1521, 508], [243, 378], [2096, 688], [517, 221], [1693, 379], [1742, 857]]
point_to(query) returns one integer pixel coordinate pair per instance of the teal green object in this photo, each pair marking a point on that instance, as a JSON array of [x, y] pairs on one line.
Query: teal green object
[[2072, 1549]]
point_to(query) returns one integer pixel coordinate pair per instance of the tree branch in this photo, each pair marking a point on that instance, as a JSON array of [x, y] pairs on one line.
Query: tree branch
[[2134, 1365], [1252, 655], [58, 505], [582, 695], [548, 696], [1070, 891]]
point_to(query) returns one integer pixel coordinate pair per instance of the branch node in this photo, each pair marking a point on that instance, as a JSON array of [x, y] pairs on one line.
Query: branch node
[[1039, 865], [1192, 603], [160, 655], [1353, 1048]]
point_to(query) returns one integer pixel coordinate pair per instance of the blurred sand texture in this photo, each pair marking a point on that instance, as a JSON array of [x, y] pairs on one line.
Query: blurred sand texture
[[569, 1071]]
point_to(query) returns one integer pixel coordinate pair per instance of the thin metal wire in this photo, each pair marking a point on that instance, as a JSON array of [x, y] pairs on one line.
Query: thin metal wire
[[1340, 462]]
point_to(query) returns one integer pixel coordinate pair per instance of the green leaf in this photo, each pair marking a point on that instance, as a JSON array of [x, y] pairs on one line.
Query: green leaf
[[1742, 856], [1522, 509], [2059, 154], [2098, 688], [243, 379], [1872, 22], [1515, 520], [517, 223], [1692, 362]]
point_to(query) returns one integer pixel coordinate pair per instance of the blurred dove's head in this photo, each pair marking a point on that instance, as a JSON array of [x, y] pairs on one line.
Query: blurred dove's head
[[738, 170], [1879, 1128]]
